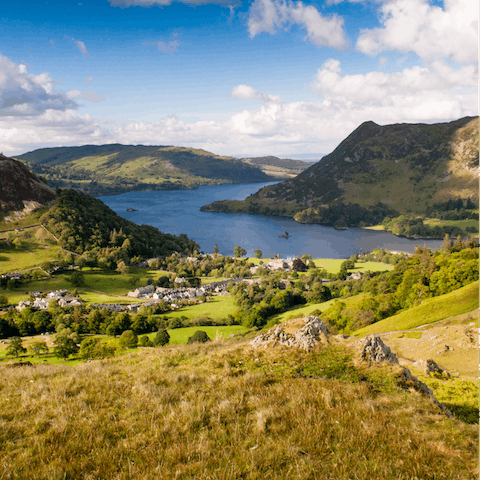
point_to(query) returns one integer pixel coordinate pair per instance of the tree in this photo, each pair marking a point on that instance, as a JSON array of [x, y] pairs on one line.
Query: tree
[[122, 268], [77, 279], [39, 347], [15, 347], [215, 249], [458, 245], [64, 346], [238, 251], [42, 321], [92, 347], [199, 337], [128, 339], [447, 244], [258, 253], [161, 338]]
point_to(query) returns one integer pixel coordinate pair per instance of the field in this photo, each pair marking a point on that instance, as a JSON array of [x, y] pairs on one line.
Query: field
[[463, 224], [223, 411], [332, 265], [179, 336], [216, 307]]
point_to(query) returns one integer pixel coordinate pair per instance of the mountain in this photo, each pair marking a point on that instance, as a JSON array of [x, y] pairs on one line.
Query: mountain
[[278, 167], [113, 169], [20, 189], [401, 168]]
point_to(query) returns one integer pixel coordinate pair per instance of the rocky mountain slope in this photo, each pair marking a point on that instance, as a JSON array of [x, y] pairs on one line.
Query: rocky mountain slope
[[404, 167], [20, 189], [111, 169]]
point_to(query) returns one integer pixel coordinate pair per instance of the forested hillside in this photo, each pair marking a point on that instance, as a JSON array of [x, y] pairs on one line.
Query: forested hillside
[[85, 225]]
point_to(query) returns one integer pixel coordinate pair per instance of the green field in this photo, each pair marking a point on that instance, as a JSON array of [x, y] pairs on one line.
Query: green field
[[463, 224], [179, 336], [332, 265], [463, 300], [216, 307]]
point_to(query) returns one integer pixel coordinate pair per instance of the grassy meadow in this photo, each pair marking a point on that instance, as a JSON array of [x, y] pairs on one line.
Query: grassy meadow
[[224, 411]]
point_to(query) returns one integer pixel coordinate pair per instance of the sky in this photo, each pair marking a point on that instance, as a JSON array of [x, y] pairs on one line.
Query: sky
[[264, 77]]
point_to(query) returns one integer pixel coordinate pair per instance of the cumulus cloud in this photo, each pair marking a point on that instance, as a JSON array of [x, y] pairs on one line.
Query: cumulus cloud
[[430, 31], [88, 80], [81, 47], [270, 15], [51, 129], [414, 94], [24, 94]]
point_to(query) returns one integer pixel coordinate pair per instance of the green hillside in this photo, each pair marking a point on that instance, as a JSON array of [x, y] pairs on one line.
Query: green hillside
[[377, 172], [113, 169], [432, 310]]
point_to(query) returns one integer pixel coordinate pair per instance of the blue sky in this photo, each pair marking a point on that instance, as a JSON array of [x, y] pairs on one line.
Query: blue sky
[[265, 77]]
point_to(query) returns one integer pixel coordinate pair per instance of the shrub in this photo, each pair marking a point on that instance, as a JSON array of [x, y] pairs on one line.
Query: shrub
[[175, 323], [199, 337], [145, 341], [128, 339], [161, 338]]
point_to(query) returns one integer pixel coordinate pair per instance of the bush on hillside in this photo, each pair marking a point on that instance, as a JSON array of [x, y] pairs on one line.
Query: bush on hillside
[[199, 337], [161, 338], [128, 339]]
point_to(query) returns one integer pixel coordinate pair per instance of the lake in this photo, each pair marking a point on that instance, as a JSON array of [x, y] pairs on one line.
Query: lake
[[178, 211]]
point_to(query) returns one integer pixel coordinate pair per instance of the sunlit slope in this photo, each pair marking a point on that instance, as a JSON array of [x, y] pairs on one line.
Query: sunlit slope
[[406, 167], [112, 168], [460, 301]]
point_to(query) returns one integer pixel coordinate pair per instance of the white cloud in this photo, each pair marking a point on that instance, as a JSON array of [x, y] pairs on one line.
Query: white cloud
[[270, 15], [81, 47], [53, 43], [414, 94], [427, 30], [90, 95], [51, 129], [23, 94], [88, 80], [246, 92]]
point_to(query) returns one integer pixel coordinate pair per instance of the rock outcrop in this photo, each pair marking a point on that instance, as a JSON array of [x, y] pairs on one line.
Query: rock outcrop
[[374, 350], [430, 367], [313, 332]]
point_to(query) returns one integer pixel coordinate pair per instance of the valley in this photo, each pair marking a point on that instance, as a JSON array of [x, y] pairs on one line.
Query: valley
[[115, 334]]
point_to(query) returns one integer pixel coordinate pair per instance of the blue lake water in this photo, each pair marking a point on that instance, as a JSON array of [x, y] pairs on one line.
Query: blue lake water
[[178, 211]]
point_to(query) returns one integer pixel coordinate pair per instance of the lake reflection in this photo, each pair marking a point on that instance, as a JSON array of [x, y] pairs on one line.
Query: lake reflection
[[178, 211]]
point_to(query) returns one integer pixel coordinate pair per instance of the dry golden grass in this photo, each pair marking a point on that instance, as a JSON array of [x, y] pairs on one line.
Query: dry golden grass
[[225, 411]]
